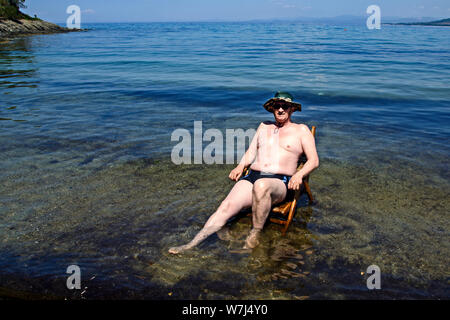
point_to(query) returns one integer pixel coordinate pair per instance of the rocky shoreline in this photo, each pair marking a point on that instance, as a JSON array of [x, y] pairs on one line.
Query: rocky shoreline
[[10, 27]]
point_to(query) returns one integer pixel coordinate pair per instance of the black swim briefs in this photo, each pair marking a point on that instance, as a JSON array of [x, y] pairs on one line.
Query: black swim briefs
[[254, 175]]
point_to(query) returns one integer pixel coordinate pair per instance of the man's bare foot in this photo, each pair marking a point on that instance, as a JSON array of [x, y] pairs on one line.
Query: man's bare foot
[[177, 250], [252, 239]]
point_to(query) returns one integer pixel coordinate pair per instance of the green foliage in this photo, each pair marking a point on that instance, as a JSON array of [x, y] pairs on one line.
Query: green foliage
[[17, 3], [9, 9]]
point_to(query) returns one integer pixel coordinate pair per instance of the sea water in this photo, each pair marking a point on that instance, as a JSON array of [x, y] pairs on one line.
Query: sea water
[[87, 179]]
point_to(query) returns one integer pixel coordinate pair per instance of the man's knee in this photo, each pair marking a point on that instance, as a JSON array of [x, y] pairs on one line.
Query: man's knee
[[220, 217], [224, 206], [228, 207], [261, 189]]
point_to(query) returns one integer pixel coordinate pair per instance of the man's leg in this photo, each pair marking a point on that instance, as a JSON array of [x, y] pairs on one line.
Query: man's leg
[[240, 197], [266, 192]]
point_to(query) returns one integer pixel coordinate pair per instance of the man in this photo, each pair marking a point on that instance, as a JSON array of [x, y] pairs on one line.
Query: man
[[272, 156]]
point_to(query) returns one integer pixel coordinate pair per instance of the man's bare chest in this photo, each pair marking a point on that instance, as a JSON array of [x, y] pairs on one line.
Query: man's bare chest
[[272, 140]]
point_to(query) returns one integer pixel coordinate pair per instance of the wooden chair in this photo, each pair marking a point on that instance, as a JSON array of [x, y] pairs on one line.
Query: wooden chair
[[285, 211]]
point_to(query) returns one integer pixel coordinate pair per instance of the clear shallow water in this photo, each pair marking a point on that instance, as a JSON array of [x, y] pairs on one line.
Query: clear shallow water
[[85, 129]]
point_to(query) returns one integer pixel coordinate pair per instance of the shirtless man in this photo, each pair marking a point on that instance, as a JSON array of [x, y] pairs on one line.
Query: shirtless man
[[272, 156]]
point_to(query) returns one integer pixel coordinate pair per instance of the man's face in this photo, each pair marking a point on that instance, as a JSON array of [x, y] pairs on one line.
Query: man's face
[[282, 112]]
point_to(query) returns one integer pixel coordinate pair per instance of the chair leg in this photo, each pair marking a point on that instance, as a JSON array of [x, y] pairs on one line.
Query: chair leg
[[283, 231], [290, 216]]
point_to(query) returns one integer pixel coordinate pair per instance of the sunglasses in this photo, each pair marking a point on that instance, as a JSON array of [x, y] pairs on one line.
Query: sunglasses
[[281, 105]]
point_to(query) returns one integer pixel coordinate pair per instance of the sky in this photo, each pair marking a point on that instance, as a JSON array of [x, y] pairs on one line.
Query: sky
[[229, 10]]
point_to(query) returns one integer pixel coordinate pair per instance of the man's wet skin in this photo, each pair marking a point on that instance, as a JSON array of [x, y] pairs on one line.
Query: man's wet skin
[[275, 148]]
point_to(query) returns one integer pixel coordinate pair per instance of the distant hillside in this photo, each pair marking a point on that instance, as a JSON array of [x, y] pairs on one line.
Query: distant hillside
[[443, 22]]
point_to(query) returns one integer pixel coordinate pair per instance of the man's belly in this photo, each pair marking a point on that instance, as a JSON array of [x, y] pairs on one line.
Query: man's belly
[[276, 163]]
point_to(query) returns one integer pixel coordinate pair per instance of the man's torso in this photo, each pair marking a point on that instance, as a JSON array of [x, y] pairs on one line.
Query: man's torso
[[278, 149]]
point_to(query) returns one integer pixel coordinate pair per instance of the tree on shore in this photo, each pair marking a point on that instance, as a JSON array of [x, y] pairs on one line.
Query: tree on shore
[[10, 9], [17, 3]]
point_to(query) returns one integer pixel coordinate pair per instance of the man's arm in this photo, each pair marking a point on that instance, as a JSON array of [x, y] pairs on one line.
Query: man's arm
[[248, 157], [309, 148]]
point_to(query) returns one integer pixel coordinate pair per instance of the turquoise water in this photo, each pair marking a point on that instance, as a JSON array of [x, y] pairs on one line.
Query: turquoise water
[[85, 126]]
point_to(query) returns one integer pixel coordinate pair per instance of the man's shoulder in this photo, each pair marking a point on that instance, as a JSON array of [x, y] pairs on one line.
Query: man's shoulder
[[301, 127]]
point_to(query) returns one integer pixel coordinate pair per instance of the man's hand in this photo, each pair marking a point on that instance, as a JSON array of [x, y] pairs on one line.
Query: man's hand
[[296, 181], [236, 173]]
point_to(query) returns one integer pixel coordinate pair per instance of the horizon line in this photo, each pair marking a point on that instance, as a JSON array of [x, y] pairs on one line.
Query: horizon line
[[298, 19]]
